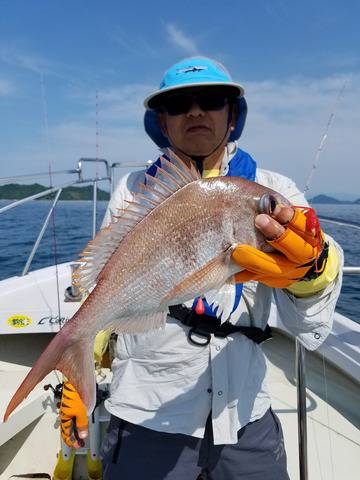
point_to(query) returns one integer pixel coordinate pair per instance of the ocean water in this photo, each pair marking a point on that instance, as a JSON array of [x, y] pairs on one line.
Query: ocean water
[[73, 229], [20, 227], [349, 239]]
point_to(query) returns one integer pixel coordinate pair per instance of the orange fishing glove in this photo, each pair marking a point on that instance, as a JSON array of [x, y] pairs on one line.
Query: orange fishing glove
[[73, 417], [302, 254]]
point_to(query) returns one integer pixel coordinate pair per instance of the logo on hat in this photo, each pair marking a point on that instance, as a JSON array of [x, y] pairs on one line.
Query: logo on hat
[[191, 69]]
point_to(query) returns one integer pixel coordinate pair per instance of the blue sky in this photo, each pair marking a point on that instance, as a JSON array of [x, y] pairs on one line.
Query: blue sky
[[292, 57]]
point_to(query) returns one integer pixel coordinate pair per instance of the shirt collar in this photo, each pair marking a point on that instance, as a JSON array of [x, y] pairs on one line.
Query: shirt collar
[[229, 152]]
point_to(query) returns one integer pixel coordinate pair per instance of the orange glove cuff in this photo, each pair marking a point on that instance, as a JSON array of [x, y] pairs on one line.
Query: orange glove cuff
[[72, 406], [72, 409]]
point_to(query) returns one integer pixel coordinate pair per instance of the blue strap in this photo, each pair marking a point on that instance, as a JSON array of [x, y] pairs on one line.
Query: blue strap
[[153, 167], [242, 165]]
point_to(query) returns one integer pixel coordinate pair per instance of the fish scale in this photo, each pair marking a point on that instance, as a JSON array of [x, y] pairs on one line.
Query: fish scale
[[172, 244]]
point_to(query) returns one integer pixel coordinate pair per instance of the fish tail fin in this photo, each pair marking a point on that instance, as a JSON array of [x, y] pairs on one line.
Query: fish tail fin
[[73, 357]]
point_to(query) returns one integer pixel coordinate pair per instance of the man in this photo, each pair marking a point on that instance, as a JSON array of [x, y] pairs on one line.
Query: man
[[192, 399]]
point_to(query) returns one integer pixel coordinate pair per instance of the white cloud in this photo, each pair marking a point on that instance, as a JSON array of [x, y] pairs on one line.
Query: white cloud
[[31, 62], [135, 45], [287, 120], [181, 40], [6, 88], [124, 104], [285, 123]]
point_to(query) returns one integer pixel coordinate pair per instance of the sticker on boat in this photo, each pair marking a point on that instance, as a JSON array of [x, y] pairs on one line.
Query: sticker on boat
[[19, 321]]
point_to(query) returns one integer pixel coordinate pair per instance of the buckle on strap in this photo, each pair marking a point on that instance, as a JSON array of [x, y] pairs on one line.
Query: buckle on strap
[[197, 332], [202, 326]]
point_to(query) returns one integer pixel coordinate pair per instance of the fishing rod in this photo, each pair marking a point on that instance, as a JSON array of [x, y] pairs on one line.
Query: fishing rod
[[300, 349], [57, 391], [324, 137], [53, 223]]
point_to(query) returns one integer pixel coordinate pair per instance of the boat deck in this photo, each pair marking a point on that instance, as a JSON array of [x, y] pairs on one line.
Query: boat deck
[[332, 404], [333, 414]]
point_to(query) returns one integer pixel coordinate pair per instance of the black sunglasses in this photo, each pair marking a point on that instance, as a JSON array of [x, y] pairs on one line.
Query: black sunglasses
[[181, 103]]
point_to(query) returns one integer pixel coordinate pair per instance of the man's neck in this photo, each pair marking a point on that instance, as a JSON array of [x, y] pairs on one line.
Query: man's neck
[[212, 162]]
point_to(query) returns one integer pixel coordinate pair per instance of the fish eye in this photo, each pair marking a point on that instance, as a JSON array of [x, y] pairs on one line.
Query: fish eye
[[273, 203], [267, 204]]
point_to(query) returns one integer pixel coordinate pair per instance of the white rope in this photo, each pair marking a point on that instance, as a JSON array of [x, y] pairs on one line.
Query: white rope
[[328, 420], [317, 450], [47, 146], [97, 132]]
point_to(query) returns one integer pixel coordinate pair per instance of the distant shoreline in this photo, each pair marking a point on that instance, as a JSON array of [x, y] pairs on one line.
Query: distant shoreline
[[51, 199], [325, 199], [15, 191]]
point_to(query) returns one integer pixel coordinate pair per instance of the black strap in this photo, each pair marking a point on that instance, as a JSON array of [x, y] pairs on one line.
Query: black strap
[[203, 326], [318, 265], [121, 425]]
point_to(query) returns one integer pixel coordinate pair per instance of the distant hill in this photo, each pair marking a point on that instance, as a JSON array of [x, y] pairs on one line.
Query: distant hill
[[15, 191], [325, 199]]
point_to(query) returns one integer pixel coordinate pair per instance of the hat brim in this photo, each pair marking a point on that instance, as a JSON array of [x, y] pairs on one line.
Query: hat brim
[[153, 100]]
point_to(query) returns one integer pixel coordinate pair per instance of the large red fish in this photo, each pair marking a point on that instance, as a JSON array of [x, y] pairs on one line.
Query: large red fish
[[171, 244]]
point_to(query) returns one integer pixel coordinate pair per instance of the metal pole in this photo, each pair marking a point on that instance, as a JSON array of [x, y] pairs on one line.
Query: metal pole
[[16, 203], [94, 207], [5, 180], [351, 270], [41, 234], [112, 186], [301, 409]]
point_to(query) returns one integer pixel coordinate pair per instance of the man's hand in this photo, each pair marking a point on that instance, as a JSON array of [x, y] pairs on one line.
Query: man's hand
[[299, 240], [73, 417]]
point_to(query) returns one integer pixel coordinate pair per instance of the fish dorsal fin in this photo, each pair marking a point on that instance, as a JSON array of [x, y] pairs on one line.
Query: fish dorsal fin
[[187, 170], [172, 175]]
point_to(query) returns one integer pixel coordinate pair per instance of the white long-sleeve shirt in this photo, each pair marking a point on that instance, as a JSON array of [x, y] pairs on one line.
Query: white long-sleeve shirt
[[164, 382]]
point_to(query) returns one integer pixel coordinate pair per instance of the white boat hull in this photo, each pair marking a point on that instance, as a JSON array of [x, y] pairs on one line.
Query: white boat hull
[[30, 441]]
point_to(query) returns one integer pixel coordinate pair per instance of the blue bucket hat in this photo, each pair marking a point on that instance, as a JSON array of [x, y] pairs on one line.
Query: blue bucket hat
[[193, 72]]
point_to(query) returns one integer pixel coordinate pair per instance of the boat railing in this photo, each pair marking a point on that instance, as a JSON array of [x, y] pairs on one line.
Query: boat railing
[[109, 177], [81, 179], [300, 369]]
